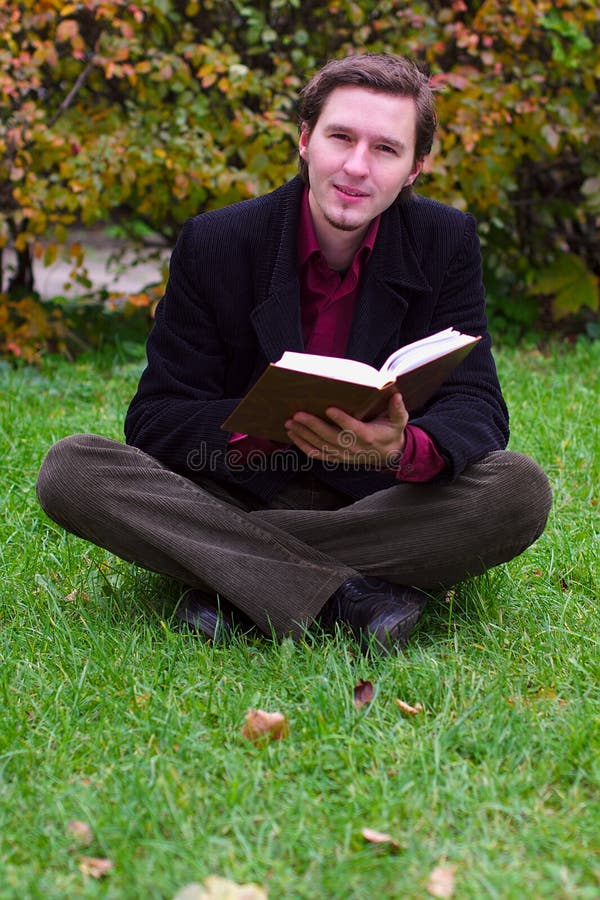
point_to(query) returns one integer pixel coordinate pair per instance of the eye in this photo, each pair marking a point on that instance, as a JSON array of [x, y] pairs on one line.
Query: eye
[[340, 136], [385, 148]]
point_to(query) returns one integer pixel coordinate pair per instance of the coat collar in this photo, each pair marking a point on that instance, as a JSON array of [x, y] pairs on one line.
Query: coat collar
[[393, 270]]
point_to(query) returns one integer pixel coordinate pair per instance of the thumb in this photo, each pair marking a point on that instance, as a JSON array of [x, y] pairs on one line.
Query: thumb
[[397, 410]]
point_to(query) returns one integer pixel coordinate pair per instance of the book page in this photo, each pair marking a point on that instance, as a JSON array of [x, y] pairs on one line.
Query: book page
[[331, 367], [425, 350]]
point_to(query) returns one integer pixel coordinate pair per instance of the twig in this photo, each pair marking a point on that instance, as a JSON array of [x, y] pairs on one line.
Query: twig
[[80, 81]]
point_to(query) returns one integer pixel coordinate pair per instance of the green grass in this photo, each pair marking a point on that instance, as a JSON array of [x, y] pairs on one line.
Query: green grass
[[112, 716]]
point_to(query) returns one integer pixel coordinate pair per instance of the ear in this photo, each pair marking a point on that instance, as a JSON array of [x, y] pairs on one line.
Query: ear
[[417, 169], [303, 140]]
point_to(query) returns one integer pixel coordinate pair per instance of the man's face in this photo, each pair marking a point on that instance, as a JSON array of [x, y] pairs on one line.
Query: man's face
[[360, 154]]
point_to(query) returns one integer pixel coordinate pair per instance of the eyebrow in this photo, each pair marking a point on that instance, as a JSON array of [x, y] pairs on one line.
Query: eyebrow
[[379, 139]]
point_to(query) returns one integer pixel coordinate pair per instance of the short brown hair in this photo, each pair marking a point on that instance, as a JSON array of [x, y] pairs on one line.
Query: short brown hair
[[381, 72]]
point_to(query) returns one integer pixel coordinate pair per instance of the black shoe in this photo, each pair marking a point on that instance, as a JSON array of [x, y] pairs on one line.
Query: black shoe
[[214, 617], [376, 611]]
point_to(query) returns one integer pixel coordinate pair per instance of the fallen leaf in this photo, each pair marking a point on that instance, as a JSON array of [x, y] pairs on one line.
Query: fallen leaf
[[363, 693], [441, 882], [81, 832], [407, 709], [95, 866], [140, 701], [215, 888], [261, 725], [379, 837]]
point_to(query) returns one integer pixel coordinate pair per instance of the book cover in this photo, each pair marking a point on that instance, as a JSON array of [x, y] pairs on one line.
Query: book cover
[[280, 392]]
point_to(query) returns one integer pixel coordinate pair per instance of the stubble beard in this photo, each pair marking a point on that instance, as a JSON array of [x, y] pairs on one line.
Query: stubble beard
[[342, 226]]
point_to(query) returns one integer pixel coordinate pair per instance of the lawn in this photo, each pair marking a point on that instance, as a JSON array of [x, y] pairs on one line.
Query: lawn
[[115, 718]]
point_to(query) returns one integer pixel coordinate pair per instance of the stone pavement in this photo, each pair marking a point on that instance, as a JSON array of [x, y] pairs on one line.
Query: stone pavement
[[122, 277]]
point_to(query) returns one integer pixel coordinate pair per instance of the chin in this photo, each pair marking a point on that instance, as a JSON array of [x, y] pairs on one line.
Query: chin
[[344, 224]]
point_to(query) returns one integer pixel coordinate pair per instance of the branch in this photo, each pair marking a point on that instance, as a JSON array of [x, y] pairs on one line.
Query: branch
[[81, 79]]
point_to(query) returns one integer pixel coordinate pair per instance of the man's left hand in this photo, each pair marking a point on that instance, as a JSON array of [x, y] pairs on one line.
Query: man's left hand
[[343, 439]]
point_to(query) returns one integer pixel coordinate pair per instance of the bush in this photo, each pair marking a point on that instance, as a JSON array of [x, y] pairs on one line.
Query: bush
[[145, 114]]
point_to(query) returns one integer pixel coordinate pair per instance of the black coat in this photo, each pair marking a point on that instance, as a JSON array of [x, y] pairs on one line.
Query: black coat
[[232, 304]]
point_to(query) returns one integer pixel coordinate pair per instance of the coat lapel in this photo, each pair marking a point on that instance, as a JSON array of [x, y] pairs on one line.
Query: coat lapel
[[276, 320]]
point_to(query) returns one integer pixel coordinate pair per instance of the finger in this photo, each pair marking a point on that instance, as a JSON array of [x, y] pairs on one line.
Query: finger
[[315, 452], [315, 431], [397, 410]]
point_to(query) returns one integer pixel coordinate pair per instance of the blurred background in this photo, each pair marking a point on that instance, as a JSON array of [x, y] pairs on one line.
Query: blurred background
[[120, 120]]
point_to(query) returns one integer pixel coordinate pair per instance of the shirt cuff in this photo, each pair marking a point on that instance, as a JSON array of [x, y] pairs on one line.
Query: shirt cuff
[[244, 445], [421, 460]]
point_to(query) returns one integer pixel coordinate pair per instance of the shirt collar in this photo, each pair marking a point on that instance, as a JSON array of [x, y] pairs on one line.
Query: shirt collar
[[308, 242]]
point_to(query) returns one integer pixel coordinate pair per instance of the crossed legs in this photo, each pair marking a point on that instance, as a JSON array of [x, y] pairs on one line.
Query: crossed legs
[[280, 565]]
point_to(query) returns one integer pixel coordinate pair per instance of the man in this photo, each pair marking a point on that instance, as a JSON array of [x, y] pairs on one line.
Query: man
[[350, 522]]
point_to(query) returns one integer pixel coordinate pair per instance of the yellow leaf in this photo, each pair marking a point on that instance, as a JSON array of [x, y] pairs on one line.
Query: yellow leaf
[[407, 709], [80, 831], [379, 837], [50, 254], [441, 882], [95, 867], [215, 888]]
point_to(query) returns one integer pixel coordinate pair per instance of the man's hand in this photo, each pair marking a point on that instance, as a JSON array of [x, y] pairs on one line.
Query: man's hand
[[343, 439]]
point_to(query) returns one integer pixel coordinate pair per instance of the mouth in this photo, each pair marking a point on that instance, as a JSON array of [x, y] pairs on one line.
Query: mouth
[[353, 193]]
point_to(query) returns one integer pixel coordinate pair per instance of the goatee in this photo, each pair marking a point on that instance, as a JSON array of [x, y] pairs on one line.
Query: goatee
[[342, 226]]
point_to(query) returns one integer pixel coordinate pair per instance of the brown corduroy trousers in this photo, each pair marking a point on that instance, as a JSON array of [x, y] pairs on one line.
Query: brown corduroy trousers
[[279, 564]]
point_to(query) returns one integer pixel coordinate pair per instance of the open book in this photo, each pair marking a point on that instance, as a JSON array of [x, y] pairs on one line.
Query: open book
[[310, 383]]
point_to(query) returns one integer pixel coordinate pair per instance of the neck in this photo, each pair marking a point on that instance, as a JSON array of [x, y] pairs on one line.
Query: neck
[[337, 245], [339, 248]]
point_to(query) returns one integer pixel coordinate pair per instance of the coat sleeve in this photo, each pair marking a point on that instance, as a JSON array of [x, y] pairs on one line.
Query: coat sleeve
[[467, 418], [187, 389]]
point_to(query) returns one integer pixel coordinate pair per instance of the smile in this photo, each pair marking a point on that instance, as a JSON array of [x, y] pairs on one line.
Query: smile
[[350, 192]]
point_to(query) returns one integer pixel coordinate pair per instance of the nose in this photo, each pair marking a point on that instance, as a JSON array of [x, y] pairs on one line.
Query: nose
[[356, 162]]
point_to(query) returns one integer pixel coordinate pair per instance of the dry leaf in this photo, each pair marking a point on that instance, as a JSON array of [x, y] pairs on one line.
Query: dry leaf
[[81, 832], [407, 709], [261, 725], [363, 693], [441, 882], [95, 866], [379, 837], [215, 888], [140, 701]]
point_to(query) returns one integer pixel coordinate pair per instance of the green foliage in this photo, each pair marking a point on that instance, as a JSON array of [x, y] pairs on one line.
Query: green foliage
[[571, 284], [147, 114]]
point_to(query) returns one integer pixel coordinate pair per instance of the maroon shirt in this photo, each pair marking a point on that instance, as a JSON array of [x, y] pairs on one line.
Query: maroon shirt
[[328, 299]]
